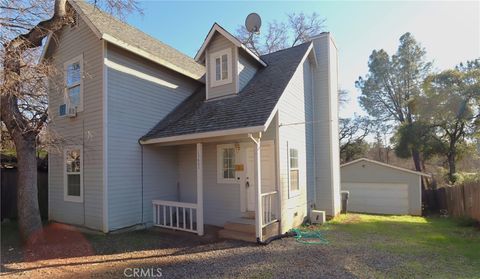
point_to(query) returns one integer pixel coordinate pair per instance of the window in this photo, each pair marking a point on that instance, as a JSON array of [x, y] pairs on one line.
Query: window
[[73, 174], [226, 163], [221, 67], [224, 66], [218, 69], [293, 170], [73, 83]]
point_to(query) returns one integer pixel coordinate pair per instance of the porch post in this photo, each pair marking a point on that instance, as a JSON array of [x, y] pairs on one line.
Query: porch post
[[258, 191], [199, 189]]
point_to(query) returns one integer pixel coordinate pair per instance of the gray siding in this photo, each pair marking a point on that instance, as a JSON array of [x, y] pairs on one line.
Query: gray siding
[[246, 69], [187, 173], [218, 43], [221, 201], [295, 107], [159, 177], [367, 172], [309, 141], [139, 95], [85, 129]]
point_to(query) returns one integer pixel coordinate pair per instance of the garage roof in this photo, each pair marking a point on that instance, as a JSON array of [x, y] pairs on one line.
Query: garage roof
[[385, 165]]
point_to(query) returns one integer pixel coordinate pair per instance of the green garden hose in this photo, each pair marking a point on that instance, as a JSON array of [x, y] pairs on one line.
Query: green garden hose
[[309, 237]]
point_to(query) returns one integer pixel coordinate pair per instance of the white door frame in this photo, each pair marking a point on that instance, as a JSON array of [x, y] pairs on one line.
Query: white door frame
[[249, 197], [243, 175]]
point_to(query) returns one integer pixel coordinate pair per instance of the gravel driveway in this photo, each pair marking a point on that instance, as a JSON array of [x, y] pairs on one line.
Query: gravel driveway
[[360, 246], [183, 255]]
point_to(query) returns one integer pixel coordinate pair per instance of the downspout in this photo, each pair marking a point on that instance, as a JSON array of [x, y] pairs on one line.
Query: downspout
[[258, 192], [83, 170], [275, 237], [314, 131], [105, 138], [141, 179]]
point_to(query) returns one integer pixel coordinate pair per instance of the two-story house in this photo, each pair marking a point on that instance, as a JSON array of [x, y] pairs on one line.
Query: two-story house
[[154, 137]]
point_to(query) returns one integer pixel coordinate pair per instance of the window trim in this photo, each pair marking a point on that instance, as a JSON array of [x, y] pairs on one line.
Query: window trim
[[220, 178], [293, 193], [213, 70], [67, 197], [77, 59]]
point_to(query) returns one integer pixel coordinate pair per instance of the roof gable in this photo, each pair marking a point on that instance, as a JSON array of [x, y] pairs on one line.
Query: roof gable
[[114, 31], [220, 30], [384, 165], [261, 96]]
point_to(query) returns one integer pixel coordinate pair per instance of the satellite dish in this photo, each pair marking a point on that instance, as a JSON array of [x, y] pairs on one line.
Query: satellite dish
[[253, 23]]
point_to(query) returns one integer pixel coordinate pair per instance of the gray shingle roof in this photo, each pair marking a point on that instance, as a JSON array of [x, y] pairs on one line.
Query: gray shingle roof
[[107, 24], [250, 108]]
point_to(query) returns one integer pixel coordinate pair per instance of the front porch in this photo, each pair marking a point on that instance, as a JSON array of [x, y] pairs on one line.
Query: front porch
[[228, 182]]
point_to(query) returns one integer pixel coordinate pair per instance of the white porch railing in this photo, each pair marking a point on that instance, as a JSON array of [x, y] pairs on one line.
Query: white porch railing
[[175, 215], [269, 208]]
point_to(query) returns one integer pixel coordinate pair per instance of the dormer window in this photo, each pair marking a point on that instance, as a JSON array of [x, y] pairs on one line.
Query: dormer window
[[221, 72], [221, 67]]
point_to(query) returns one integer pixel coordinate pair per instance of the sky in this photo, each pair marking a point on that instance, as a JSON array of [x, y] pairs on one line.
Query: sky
[[449, 30]]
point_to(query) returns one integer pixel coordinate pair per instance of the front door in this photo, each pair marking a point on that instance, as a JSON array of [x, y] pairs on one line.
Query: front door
[[267, 171]]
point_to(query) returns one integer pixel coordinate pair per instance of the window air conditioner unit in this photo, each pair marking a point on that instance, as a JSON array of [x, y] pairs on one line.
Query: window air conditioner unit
[[72, 112], [66, 110]]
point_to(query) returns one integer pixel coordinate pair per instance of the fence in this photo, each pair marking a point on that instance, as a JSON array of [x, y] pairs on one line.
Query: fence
[[9, 192], [459, 201]]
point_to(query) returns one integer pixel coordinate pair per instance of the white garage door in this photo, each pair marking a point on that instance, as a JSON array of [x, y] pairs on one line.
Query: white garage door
[[382, 198]]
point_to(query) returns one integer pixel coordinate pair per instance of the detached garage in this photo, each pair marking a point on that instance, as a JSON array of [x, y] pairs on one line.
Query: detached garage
[[376, 187]]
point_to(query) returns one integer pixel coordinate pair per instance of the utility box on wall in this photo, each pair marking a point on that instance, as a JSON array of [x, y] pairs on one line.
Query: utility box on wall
[[317, 217]]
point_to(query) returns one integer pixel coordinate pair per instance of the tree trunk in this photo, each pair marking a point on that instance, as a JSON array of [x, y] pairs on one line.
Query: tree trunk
[[451, 166], [416, 159], [418, 167], [24, 130], [27, 193]]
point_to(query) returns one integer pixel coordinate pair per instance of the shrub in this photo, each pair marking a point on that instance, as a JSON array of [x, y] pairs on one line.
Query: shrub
[[471, 177]]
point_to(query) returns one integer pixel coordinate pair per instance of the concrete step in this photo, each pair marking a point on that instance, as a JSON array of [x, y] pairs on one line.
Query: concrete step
[[244, 229], [249, 214], [244, 236]]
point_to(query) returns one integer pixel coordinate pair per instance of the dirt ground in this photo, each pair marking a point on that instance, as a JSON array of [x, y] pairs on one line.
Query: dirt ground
[[352, 252]]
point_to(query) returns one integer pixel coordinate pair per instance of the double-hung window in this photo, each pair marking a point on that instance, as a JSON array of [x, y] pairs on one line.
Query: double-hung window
[[73, 174], [221, 67], [73, 83], [293, 171], [226, 163]]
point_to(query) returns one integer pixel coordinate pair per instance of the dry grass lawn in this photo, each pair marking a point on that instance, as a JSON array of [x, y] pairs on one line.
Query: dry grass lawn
[[360, 246]]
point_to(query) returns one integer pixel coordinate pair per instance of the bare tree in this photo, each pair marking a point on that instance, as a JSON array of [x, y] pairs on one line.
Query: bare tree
[[304, 26], [250, 40], [276, 37], [298, 29], [25, 25]]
